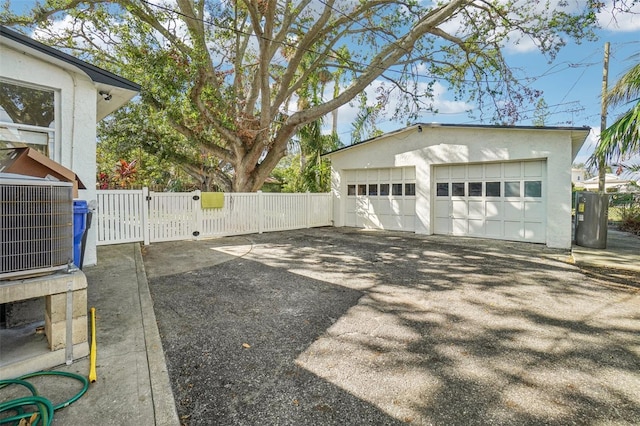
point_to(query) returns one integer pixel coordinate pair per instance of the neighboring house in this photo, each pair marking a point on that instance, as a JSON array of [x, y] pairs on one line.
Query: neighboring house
[[511, 183], [578, 176], [612, 183], [52, 101]]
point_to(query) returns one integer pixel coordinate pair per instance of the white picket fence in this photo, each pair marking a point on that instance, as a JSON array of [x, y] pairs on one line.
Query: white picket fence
[[124, 216]]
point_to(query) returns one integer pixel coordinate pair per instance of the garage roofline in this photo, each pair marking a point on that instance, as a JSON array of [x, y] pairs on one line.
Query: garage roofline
[[420, 126]]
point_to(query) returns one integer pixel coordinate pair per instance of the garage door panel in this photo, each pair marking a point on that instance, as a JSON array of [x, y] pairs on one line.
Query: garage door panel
[[442, 225], [376, 204], [384, 207], [493, 170], [512, 210], [513, 230], [476, 227], [533, 169], [493, 228], [493, 208], [459, 208], [475, 171], [409, 223], [442, 208], [395, 205], [534, 231], [458, 172], [442, 172], [512, 170], [533, 210], [500, 200], [460, 226], [476, 209], [409, 205]]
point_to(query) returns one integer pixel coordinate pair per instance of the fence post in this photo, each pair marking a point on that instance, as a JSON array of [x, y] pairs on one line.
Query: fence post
[[146, 230], [307, 207], [260, 212], [197, 215]]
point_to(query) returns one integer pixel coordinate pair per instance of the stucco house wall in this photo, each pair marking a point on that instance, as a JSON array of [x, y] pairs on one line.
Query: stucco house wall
[[426, 146], [78, 105]]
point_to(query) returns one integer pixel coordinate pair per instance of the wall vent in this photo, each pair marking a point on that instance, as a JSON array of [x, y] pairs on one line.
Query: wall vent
[[36, 225]]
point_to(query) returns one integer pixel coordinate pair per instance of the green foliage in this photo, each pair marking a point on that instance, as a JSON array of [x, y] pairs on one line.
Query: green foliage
[[621, 140], [226, 87], [631, 220], [541, 113]]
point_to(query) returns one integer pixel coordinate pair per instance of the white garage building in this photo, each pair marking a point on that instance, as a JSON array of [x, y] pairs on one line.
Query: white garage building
[[502, 182]]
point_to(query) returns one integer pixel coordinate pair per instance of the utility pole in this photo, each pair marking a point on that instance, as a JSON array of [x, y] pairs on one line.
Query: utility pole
[[603, 116]]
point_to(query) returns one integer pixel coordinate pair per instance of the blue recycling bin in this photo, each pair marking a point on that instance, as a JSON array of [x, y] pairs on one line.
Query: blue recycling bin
[[80, 211]]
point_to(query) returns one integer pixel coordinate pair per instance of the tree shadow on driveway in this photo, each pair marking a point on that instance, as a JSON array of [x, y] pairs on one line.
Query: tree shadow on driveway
[[352, 327]]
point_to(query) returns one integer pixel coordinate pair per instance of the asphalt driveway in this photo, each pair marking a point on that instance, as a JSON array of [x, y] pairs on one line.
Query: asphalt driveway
[[339, 326]]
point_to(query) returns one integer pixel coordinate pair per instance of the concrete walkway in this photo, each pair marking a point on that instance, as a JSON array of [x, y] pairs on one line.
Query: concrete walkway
[[132, 386], [622, 252]]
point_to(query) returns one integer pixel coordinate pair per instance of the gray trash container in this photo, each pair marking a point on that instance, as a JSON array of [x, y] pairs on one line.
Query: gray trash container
[[592, 210]]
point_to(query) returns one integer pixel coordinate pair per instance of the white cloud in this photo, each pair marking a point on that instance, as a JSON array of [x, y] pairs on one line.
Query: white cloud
[[589, 145]]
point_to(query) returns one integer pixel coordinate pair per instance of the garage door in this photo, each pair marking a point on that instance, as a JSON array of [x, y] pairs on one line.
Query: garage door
[[381, 198], [497, 200]]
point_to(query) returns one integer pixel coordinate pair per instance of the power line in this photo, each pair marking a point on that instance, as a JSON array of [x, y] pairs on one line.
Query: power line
[[352, 63]]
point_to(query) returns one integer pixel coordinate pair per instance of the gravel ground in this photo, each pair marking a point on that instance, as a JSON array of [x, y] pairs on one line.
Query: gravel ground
[[339, 326]]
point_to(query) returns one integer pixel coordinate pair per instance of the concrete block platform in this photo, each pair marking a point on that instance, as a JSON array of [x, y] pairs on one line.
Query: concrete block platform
[[45, 344]]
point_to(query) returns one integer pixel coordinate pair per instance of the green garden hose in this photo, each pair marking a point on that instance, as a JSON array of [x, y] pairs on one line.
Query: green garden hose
[[44, 407]]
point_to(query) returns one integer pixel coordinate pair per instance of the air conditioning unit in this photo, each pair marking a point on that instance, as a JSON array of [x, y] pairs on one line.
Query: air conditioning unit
[[36, 225]]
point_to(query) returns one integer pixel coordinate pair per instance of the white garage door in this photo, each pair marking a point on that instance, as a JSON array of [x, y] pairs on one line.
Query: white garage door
[[497, 200], [381, 198]]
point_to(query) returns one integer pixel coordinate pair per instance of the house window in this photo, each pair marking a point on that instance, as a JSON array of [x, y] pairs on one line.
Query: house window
[[384, 189], [362, 189], [396, 189], [492, 189], [512, 189], [442, 189], [457, 189], [533, 188], [475, 189], [27, 117], [351, 190], [373, 189], [410, 189]]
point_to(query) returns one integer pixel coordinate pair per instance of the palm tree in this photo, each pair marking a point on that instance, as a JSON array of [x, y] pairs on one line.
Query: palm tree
[[621, 140]]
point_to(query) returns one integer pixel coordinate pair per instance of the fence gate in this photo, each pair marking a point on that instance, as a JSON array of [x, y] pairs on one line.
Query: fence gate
[[173, 215], [124, 216], [121, 216]]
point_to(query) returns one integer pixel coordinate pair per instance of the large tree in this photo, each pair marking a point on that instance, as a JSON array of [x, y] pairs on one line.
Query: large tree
[[228, 76]]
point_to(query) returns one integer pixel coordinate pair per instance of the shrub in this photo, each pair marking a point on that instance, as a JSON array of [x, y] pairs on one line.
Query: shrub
[[631, 220]]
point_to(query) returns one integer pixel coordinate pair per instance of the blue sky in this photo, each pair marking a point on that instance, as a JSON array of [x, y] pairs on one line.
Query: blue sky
[[571, 85]]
